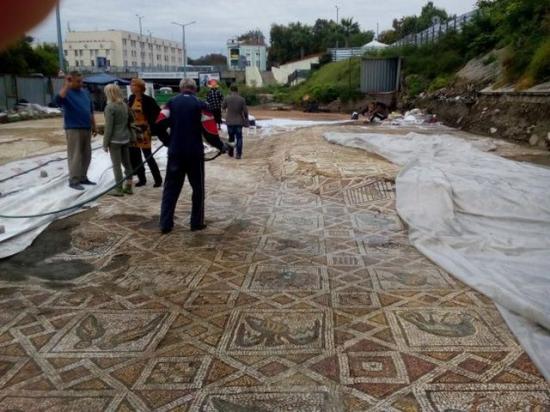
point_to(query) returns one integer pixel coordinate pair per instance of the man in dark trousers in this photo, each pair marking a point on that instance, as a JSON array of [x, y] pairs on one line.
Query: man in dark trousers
[[80, 125], [185, 156], [236, 118], [214, 99]]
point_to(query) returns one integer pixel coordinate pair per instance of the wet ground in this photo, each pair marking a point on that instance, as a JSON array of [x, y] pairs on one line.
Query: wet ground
[[303, 294]]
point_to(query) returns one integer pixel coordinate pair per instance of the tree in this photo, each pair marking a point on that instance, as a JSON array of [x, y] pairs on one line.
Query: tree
[[349, 27], [253, 38], [213, 59], [22, 59], [413, 24], [296, 40]]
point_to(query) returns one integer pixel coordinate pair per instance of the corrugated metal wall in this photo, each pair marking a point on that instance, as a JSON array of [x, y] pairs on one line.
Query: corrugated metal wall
[[3, 97], [40, 90], [32, 89], [380, 75]]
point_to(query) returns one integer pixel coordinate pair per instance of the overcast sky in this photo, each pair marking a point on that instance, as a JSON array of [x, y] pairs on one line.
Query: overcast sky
[[219, 20]]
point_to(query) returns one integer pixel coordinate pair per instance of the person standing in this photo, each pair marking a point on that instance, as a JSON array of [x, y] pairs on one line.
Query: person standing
[[78, 115], [185, 156], [236, 118], [214, 99], [145, 110], [117, 138]]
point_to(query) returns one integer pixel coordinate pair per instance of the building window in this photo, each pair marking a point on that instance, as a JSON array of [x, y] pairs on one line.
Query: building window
[[76, 63], [92, 63], [124, 42], [126, 63], [66, 52]]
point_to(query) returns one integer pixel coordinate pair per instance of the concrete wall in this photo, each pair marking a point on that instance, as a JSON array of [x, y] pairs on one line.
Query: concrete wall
[[253, 77], [282, 72]]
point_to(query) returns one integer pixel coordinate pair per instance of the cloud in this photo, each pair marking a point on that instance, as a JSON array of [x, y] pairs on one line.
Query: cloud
[[219, 20]]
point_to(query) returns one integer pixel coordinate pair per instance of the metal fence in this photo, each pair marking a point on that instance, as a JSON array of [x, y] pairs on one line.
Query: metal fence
[[40, 90], [347, 53], [433, 33]]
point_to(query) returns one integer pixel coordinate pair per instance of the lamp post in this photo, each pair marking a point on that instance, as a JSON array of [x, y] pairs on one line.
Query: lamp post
[[183, 46], [140, 25], [60, 53]]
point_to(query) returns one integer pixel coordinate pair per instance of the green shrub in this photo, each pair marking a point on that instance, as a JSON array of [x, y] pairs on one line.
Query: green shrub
[[415, 84], [539, 67], [440, 82], [490, 59]]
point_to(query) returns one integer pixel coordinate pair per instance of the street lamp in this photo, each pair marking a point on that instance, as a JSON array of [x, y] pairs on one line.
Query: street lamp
[[60, 52], [184, 47], [140, 26]]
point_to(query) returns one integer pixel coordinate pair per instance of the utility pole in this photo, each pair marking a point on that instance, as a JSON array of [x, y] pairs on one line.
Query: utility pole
[[183, 45], [60, 53], [140, 26]]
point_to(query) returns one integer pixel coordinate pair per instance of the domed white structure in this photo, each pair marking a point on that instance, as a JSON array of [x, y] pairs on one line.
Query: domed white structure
[[374, 45]]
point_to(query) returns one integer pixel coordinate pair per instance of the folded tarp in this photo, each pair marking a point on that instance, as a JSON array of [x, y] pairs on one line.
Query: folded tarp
[[483, 218]]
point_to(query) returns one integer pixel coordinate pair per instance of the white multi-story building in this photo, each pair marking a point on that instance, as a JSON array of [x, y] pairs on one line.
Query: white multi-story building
[[241, 55], [120, 50]]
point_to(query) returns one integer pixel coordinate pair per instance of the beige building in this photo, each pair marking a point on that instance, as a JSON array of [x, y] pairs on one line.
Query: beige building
[[119, 51]]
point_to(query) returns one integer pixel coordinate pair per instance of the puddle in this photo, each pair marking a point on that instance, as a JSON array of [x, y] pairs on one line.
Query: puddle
[[35, 262]]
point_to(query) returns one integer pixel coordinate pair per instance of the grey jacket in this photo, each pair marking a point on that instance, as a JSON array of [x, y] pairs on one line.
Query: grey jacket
[[237, 112], [116, 124]]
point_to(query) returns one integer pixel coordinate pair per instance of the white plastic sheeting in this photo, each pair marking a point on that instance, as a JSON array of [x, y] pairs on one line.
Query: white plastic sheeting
[[45, 189], [273, 126], [483, 218], [30, 193]]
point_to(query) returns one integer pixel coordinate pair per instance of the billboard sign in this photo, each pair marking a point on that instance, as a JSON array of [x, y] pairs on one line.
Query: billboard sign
[[204, 78]]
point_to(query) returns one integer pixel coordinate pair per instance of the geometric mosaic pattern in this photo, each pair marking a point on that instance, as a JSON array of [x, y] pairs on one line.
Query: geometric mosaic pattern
[[304, 294]]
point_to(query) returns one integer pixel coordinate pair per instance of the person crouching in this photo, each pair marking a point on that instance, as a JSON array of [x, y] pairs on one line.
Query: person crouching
[[118, 137]]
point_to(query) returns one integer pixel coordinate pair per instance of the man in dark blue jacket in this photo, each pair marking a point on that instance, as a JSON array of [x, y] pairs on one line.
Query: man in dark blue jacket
[[185, 156]]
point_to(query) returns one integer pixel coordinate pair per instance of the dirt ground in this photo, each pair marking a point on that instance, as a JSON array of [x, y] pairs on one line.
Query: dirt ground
[[38, 137], [32, 138]]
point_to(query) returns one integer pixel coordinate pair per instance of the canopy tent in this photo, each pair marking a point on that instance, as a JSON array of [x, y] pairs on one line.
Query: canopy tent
[[374, 45], [102, 79]]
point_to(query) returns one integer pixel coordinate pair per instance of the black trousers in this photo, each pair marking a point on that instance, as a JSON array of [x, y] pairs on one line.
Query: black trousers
[[136, 159], [218, 116], [176, 171]]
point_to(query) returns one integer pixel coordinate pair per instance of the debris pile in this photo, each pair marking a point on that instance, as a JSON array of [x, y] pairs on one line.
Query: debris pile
[[28, 111]]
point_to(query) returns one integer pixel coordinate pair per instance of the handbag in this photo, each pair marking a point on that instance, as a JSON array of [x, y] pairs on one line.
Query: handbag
[[136, 133]]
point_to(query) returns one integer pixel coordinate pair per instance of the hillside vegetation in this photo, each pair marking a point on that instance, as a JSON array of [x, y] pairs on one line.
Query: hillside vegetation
[[520, 27]]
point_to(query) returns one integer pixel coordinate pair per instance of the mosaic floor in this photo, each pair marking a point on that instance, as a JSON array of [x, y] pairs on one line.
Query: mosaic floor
[[303, 295]]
